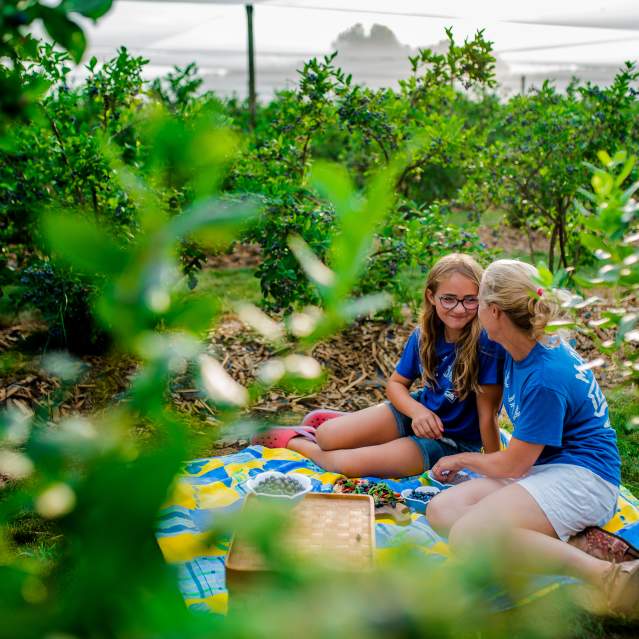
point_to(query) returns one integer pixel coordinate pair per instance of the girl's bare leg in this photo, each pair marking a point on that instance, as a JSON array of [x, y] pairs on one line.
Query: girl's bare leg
[[397, 458], [367, 427]]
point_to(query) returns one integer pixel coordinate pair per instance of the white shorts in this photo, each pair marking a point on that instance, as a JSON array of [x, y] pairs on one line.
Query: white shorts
[[572, 497]]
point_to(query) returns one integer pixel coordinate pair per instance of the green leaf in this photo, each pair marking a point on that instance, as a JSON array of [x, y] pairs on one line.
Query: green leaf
[[602, 183], [367, 305], [559, 325], [625, 171], [604, 158], [83, 245], [192, 313], [64, 31], [545, 275], [314, 268], [334, 184], [620, 156], [629, 192], [626, 324], [594, 243], [213, 220], [89, 8], [587, 194]]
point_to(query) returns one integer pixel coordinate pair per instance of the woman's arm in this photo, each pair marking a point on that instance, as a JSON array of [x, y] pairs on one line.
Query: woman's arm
[[488, 404], [515, 461]]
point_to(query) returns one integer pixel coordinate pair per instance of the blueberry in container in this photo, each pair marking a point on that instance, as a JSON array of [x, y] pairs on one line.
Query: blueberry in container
[[418, 498], [278, 485]]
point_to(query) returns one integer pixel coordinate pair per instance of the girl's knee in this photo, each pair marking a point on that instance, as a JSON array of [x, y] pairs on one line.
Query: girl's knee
[[325, 438], [344, 466], [335, 461], [330, 434]]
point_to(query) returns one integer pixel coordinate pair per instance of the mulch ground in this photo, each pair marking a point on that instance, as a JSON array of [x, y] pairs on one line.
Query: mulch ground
[[358, 362]]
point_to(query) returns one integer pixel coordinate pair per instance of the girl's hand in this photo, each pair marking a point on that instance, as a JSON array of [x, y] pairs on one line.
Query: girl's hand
[[427, 424], [447, 467]]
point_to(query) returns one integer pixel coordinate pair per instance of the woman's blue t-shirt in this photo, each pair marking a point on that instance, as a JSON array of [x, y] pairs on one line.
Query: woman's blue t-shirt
[[552, 400], [459, 417]]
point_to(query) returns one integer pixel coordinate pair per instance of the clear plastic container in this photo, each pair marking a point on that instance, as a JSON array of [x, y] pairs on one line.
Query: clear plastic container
[[304, 482]]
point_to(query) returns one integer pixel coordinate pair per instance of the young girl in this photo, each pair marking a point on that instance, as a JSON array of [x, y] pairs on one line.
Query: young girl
[[455, 410], [560, 473]]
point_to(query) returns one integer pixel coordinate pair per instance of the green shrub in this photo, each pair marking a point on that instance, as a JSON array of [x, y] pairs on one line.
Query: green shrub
[[64, 299]]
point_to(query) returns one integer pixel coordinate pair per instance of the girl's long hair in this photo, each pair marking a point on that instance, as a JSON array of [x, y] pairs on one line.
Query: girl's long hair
[[465, 373]]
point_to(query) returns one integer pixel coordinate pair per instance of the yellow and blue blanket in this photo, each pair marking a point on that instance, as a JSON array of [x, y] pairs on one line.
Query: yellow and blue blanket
[[215, 486]]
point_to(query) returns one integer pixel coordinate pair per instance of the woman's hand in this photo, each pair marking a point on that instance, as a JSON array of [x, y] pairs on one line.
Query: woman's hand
[[427, 424], [447, 467]]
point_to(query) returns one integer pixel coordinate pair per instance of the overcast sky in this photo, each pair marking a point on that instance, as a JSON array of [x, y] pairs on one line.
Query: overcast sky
[[533, 38], [280, 25]]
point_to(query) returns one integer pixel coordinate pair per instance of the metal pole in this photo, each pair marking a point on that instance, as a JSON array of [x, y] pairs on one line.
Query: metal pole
[[251, 66]]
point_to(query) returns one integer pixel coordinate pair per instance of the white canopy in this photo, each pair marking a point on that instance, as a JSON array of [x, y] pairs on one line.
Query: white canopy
[[614, 14], [546, 38]]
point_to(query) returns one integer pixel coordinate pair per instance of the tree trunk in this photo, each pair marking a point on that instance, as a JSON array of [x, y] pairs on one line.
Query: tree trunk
[[561, 221], [551, 248], [562, 244], [531, 247], [251, 66]]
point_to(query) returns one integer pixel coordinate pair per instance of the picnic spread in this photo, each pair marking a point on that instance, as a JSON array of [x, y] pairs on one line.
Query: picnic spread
[[212, 488]]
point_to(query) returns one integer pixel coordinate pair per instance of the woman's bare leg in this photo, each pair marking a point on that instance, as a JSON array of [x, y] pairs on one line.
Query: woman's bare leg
[[451, 504], [367, 427], [511, 522], [398, 458]]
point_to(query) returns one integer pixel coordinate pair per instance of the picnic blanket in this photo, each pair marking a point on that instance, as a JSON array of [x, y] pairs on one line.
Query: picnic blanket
[[212, 487]]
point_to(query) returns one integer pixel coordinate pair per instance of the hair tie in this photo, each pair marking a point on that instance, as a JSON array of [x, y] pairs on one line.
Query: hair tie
[[540, 292]]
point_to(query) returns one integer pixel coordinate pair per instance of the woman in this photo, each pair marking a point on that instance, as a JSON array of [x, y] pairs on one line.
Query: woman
[[561, 471], [455, 410]]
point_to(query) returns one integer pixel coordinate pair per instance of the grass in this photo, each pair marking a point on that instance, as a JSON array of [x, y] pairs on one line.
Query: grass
[[8, 314], [623, 404], [228, 285], [32, 537]]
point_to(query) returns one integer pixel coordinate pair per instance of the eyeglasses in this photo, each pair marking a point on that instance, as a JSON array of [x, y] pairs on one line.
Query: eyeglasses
[[449, 302]]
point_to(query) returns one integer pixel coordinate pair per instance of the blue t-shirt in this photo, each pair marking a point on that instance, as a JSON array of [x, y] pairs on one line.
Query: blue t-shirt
[[551, 400], [459, 417]]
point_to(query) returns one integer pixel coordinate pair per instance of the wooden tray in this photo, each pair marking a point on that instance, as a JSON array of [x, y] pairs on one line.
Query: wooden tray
[[332, 528]]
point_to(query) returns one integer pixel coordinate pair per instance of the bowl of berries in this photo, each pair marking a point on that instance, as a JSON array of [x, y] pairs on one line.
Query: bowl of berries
[[418, 498], [278, 485]]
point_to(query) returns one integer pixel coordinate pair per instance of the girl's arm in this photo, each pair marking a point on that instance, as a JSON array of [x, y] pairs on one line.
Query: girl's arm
[[425, 422], [488, 404], [515, 461], [398, 392]]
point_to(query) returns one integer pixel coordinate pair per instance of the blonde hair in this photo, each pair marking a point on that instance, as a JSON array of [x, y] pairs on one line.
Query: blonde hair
[[513, 287], [466, 361]]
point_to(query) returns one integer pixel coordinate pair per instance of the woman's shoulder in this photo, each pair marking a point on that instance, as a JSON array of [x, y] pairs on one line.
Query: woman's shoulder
[[557, 353], [554, 366]]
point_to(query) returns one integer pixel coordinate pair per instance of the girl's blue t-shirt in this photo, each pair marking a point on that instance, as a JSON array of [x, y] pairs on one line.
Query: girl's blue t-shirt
[[459, 417], [552, 399]]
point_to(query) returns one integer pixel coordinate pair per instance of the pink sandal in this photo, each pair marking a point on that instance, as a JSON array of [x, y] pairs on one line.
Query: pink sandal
[[280, 436], [317, 417]]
